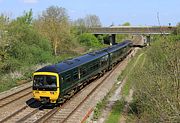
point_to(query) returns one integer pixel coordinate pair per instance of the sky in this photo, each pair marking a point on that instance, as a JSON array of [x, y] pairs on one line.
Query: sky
[[117, 12]]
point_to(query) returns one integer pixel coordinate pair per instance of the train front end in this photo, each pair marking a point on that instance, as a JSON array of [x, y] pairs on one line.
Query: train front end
[[46, 87]]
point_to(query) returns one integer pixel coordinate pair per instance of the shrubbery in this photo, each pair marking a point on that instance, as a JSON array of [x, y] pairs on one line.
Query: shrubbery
[[89, 40], [157, 82], [26, 43], [26, 46]]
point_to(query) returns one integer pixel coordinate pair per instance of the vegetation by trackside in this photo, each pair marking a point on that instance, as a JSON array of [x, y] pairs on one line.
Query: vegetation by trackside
[[118, 108], [156, 82], [101, 105]]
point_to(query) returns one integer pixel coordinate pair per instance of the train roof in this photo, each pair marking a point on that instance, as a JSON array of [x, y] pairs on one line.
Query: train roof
[[118, 46], [72, 63], [75, 62]]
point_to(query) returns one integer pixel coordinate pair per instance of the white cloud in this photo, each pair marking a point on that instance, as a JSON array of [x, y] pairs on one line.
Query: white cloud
[[30, 1]]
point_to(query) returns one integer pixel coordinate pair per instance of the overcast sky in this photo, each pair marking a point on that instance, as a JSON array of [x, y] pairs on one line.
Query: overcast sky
[[137, 12]]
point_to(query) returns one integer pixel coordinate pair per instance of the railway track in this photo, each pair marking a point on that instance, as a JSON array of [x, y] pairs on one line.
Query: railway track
[[25, 107], [10, 99], [15, 96], [64, 111]]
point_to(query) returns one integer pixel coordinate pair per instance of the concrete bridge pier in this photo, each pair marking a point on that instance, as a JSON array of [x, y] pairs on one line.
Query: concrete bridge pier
[[112, 39], [147, 39]]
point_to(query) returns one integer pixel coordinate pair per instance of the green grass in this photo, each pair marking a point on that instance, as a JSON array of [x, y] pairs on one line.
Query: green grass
[[126, 88], [136, 64], [116, 112], [125, 72], [136, 61], [7, 85], [101, 105]]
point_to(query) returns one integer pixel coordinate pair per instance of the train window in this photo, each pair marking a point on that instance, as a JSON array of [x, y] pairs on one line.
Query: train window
[[91, 67], [75, 75], [103, 61], [83, 71], [120, 52], [68, 78], [96, 65], [51, 80]]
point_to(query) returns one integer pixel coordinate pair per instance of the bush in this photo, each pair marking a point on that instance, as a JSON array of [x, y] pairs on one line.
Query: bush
[[89, 40], [27, 47], [31, 54], [156, 82]]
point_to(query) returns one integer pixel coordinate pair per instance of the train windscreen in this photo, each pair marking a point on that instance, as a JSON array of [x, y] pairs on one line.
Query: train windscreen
[[45, 82]]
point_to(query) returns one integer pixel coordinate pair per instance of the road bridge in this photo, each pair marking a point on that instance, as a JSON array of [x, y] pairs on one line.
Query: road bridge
[[150, 30], [134, 30]]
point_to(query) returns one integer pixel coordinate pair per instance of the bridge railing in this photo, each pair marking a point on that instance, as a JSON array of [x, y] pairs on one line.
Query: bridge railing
[[132, 30]]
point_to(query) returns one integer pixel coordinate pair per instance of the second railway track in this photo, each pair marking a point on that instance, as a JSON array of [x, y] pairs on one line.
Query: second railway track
[[15, 96]]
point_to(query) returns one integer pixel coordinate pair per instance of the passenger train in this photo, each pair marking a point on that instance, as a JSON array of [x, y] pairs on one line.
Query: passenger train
[[58, 82]]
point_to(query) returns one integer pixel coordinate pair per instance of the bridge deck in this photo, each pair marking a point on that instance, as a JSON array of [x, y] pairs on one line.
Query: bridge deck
[[133, 30]]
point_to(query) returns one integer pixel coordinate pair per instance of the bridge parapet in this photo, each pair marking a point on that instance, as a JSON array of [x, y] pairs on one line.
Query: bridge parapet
[[133, 30]]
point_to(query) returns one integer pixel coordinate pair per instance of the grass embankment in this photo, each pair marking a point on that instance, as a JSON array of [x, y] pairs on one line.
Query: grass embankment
[[118, 107], [134, 64], [155, 82]]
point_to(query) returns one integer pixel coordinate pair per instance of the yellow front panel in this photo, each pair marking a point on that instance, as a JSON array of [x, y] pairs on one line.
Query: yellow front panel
[[53, 95]]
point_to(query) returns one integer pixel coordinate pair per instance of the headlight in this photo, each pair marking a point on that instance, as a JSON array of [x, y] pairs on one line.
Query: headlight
[[36, 92]]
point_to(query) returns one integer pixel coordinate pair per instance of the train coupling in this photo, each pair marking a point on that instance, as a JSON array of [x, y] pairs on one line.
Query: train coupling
[[44, 100]]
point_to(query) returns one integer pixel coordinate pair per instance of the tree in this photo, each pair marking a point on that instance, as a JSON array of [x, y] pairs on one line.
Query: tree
[[4, 39], [92, 21], [177, 31], [121, 37], [126, 24], [26, 45], [80, 26], [53, 24]]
